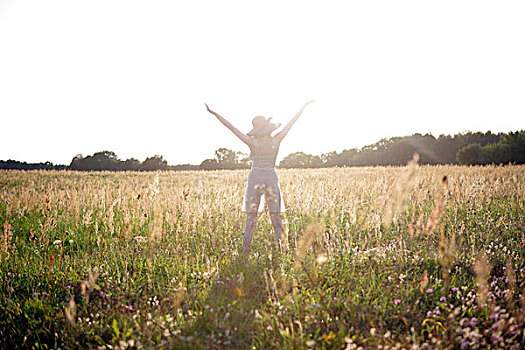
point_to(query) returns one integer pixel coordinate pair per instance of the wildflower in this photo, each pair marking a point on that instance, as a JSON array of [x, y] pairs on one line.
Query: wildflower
[[454, 289], [397, 302], [321, 259], [442, 299], [430, 290], [496, 338], [269, 328]]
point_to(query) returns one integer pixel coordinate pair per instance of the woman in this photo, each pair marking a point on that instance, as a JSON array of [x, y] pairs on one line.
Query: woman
[[262, 178]]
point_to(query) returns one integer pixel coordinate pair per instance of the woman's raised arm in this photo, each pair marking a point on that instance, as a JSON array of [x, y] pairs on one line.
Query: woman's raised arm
[[244, 138], [280, 136]]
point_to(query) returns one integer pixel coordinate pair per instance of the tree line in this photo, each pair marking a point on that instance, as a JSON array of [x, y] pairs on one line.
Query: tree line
[[467, 149]]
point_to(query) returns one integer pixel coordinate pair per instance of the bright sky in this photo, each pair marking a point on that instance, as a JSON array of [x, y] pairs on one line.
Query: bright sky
[[133, 76]]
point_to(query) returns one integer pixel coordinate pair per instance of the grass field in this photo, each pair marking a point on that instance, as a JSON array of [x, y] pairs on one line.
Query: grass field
[[413, 257]]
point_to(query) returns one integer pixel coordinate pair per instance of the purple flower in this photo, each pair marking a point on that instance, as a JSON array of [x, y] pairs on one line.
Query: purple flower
[[269, 328], [496, 339], [455, 289], [442, 299], [473, 321], [430, 290], [397, 302]]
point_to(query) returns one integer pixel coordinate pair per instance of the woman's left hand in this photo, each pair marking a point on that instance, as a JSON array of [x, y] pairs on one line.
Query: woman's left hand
[[209, 110], [309, 102]]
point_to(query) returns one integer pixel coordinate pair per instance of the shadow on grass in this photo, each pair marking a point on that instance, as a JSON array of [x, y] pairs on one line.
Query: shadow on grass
[[227, 314]]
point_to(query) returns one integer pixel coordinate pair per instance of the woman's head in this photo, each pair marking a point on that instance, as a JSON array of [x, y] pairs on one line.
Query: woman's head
[[262, 126]]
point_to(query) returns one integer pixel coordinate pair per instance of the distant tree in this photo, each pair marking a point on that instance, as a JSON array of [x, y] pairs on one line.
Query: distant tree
[[14, 164], [130, 164], [76, 162], [209, 164], [181, 167], [154, 163], [226, 156], [226, 159], [301, 160], [345, 158], [462, 148], [470, 154], [105, 160], [327, 157], [510, 149]]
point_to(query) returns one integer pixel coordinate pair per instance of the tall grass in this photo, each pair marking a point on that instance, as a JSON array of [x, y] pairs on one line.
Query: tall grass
[[422, 257]]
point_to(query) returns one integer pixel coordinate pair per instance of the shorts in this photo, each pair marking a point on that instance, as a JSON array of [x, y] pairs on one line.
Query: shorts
[[263, 182]]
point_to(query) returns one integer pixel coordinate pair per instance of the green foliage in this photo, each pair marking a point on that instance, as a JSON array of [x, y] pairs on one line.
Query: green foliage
[[80, 267], [510, 149], [495, 149], [226, 159], [470, 155], [469, 149], [300, 160], [107, 160]]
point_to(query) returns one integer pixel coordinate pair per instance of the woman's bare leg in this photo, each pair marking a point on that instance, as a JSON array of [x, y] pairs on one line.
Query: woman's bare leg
[[251, 221], [278, 226]]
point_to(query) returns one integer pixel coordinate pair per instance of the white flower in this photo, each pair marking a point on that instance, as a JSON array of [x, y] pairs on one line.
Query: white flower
[[321, 259]]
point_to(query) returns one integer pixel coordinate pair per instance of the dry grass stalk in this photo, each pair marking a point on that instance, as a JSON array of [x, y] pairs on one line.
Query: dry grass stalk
[[87, 286], [311, 232], [70, 311], [482, 269], [401, 192]]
